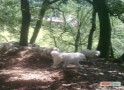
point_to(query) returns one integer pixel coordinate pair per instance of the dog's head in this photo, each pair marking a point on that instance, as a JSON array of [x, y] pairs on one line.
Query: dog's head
[[97, 53], [55, 49], [55, 53]]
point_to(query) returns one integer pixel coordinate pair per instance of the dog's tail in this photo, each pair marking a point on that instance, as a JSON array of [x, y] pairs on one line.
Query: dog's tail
[[97, 53]]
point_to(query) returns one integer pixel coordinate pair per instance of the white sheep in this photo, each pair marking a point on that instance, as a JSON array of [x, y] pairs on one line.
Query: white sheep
[[44, 50], [38, 49], [6, 46], [33, 45], [25, 48], [47, 51], [91, 54], [10, 45], [67, 58], [3, 48], [12, 50]]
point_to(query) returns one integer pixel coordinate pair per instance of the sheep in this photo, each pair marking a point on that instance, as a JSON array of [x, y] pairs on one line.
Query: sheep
[[92, 54], [43, 50], [67, 58], [11, 47], [38, 49], [25, 48], [10, 44], [12, 50], [6, 46], [33, 45], [47, 50], [3, 48]]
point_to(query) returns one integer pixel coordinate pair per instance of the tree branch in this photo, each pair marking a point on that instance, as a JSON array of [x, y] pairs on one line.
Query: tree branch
[[53, 1], [89, 1]]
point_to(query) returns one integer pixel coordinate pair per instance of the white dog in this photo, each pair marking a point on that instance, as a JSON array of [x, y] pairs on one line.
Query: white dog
[[67, 58], [91, 54]]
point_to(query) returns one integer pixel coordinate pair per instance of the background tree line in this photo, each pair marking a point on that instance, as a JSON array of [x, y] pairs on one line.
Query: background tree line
[[71, 25]]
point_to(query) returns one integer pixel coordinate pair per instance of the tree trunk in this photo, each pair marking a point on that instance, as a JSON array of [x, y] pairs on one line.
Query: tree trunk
[[77, 40], [111, 51], [90, 38], [39, 22], [105, 28], [25, 22], [122, 57]]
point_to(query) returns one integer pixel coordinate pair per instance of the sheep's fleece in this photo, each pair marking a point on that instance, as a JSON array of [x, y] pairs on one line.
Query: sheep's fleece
[[67, 58]]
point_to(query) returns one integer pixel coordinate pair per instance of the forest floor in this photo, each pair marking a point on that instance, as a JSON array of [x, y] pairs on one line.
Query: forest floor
[[32, 71]]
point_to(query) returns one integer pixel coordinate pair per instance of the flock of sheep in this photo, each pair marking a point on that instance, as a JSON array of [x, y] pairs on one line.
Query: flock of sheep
[[58, 57]]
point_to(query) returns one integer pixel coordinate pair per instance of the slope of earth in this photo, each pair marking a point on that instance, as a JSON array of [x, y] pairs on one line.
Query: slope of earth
[[32, 71]]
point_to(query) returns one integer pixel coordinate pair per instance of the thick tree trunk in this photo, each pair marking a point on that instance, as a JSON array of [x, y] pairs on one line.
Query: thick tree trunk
[[39, 22], [90, 38], [105, 28], [25, 22]]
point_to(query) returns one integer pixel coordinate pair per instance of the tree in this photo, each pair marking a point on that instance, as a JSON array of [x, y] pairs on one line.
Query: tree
[[10, 19], [25, 22], [71, 33], [45, 6], [38, 23], [89, 46], [105, 28], [116, 9]]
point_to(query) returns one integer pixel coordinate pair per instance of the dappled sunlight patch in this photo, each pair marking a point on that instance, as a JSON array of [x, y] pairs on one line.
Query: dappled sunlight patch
[[85, 74], [80, 86], [116, 72], [98, 73], [25, 74], [101, 73], [44, 76]]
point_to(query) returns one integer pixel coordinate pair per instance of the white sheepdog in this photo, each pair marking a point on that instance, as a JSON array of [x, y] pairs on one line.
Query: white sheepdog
[[67, 58], [91, 54]]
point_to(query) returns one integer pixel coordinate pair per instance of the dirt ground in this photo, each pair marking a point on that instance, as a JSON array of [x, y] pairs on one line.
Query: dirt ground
[[32, 71]]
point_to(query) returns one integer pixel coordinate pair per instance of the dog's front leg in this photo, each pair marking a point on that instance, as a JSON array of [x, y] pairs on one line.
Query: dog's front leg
[[65, 65], [93, 62], [78, 65], [56, 62]]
